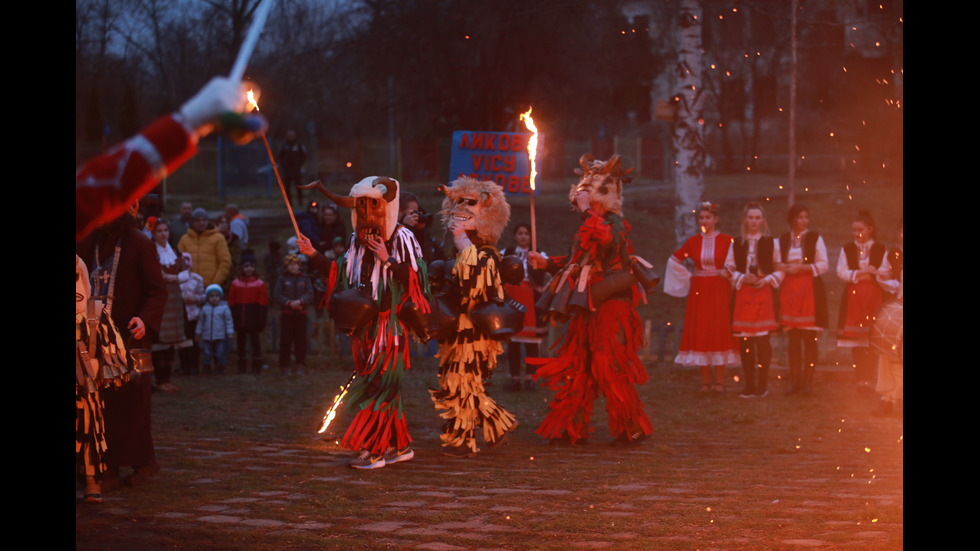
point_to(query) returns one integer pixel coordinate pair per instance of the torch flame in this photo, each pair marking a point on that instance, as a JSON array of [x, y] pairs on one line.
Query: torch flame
[[252, 101], [332, 412], [532, 144]]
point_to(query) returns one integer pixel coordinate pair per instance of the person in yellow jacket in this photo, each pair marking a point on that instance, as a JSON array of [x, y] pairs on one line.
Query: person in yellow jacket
[[208, 249]]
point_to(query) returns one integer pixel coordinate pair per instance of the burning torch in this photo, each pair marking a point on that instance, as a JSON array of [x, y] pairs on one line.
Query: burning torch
[[337, 400], [532, 154]]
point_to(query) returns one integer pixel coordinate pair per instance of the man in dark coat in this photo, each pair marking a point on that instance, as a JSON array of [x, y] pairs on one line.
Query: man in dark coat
[[292, 155], [138, 296]]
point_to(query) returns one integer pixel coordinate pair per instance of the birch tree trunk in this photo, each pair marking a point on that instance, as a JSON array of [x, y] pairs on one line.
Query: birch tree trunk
[[791, 168], [688, 143]]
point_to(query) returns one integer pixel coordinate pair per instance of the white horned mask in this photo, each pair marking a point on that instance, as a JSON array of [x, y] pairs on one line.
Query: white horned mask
[[374, 207]]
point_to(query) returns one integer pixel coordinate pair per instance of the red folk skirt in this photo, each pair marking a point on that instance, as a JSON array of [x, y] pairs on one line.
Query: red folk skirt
[[864, 300], [754, 313], [707, 337], [524, 294], [797, 305]]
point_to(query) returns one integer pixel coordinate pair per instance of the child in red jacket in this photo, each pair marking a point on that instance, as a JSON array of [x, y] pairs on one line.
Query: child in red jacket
[[248, 299]]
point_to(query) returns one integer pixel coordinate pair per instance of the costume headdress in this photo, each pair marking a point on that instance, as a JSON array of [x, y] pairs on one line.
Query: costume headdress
[[603, 180], [374, 205]]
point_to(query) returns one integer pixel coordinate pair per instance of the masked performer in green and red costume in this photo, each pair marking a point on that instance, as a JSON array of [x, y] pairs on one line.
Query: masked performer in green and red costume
[[598, 352], [384, 262]]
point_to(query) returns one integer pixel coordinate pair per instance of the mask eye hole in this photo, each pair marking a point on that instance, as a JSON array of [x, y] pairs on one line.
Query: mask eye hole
[[466, 201]]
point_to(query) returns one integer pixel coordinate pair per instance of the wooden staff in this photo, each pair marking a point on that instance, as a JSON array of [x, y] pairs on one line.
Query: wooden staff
[[282, 188]]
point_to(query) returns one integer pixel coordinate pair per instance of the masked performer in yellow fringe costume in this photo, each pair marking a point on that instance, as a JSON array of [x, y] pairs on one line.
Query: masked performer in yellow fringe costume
[[598, 351], [476, 213], [385, 263], [100, 361]]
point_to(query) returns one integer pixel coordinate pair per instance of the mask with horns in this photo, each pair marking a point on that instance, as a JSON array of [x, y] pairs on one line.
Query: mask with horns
[[603, 181], [374, 206]]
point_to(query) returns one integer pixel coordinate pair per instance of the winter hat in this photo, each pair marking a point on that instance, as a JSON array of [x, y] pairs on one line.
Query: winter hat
[[248, 258], [199, 213], [214, 288]]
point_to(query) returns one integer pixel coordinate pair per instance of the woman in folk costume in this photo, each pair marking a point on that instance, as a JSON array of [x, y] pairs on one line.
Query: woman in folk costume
[[598, 352], [863, 265], [707, 338], [385, 262], [475, 212], [172, 332], [527, 293], [751, 266], [802, 298]]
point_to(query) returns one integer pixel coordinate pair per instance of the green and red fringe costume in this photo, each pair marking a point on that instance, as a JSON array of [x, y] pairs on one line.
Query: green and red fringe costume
[[598, 351], [468, 358], [381, 351]]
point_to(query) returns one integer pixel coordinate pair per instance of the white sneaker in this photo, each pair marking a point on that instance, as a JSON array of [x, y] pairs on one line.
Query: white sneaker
[[392, 455], [367, 461]]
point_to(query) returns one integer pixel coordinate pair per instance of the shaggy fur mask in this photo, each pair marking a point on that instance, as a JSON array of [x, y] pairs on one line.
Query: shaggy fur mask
[[477, 206], [603, 180]]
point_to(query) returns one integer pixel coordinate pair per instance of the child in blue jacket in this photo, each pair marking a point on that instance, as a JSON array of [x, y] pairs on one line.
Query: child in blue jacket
[[214, 329]]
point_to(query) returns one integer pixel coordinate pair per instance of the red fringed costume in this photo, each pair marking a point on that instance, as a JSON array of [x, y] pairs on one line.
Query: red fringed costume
[[598, 352]]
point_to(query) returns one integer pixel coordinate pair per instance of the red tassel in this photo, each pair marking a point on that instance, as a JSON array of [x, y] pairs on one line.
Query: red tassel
[[331, 283]]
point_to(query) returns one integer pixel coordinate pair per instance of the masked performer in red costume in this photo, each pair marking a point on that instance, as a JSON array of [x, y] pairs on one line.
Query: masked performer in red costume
[[385, 263], [598, 352], [475, 212], [108, 184]]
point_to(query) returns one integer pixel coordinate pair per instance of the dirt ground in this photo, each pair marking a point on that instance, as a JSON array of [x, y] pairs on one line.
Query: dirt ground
[[244, 469]]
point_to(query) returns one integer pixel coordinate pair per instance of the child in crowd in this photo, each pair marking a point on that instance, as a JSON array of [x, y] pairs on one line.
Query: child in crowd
[[214, 328], [293, 294], [192, 291], [337, 249], [248, 299]]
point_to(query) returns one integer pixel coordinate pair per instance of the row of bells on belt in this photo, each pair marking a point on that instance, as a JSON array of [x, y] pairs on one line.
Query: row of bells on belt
[[565, 298], [354, 309]]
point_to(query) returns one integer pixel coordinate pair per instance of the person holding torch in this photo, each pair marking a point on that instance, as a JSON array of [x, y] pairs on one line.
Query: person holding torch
[[106, 185]]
